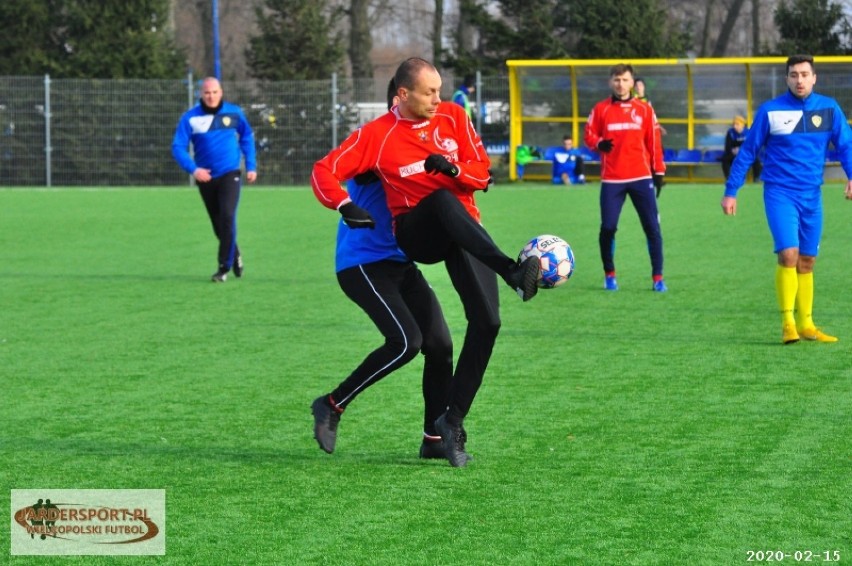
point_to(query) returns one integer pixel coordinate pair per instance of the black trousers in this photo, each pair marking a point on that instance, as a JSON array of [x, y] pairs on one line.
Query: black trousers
[[438, 229], [221, 197], [644, 199], [402, 305]]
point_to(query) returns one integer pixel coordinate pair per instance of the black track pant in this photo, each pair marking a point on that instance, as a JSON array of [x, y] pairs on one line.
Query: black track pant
[[402, 305], [221, 197], [643, 196], [439, 228]]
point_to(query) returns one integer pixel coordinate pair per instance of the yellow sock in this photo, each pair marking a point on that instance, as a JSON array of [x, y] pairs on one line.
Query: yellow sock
[[805, 301], [786, 287]]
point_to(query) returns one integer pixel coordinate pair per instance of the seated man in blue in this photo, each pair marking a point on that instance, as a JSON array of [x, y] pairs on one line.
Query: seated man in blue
[[568, 164]]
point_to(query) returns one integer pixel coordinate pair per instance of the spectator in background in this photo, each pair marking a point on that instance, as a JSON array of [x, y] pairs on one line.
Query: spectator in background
[[733, 140], [568, 164], [220, 135], [639, 94], [463, 94]]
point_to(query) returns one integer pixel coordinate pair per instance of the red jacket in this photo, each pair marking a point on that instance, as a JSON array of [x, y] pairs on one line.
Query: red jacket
[[395, 148], [636, 149]]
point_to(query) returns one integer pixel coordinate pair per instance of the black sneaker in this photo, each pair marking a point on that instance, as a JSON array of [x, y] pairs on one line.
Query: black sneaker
[[434, 449], [220, 276], [524, 278], [453, 439], [325, 423], [238, 266]]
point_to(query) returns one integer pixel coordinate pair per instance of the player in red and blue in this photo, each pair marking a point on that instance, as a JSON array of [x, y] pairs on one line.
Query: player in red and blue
[[431, 162], [795, 130], [377, 276], [626, 133], [220, 135]]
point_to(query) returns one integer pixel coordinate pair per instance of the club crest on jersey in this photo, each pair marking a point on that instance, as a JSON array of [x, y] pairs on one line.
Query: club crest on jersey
[[424, 137], [226, 121], [448, 145], [816, 120]]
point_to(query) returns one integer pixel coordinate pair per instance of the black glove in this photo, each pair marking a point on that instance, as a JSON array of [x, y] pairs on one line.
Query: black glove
[[437, 163], [356, 217], [366, 178], [605, 146], [659, 181]]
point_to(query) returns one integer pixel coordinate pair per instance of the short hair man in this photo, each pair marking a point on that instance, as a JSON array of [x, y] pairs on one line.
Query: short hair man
[[219, 133], [568, 164], [431, 161], [626, 133], [463, 94], [795, 130]]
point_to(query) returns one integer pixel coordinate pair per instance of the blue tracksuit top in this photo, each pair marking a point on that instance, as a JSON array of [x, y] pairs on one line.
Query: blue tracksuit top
[[796, 134], [217, 140], [356, 246]]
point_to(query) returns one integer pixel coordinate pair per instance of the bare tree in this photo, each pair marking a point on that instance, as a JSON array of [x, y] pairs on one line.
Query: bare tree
[[705, 32], [437, 26], [727, 28], [360, 40], [755, 27]]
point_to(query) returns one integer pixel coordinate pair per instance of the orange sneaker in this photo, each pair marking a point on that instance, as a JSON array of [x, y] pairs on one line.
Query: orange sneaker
[[789, 334], [816, 335]]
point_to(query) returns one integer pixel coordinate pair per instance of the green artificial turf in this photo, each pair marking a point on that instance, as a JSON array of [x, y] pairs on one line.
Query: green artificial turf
[[625, 428]]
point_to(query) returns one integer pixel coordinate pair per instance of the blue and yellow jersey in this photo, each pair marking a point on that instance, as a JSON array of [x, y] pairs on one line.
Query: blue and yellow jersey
[[217, 140], [795, 134]]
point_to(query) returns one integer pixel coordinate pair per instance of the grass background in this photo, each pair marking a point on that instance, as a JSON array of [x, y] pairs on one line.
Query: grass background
[[612, 428]]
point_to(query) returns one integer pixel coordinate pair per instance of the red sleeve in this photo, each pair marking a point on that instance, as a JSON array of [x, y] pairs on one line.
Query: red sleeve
[[656, 147], [341, 164], [473, 162], [591, 134]]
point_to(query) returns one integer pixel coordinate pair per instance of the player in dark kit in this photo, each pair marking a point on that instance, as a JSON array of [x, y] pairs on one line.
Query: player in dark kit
[[379, 278], [220, 133], [431, 162]]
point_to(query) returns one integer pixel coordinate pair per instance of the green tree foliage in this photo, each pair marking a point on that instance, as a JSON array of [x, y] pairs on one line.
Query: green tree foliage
[[88, 39], [296, 41], [817, 27], [551, 29], [619, 30]]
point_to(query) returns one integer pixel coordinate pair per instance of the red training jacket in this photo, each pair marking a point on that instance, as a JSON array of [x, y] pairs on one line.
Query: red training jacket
[[395, 148], [631, 124]]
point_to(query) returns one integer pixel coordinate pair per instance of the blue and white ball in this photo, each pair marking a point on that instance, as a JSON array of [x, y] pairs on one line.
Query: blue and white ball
[[556, 257]]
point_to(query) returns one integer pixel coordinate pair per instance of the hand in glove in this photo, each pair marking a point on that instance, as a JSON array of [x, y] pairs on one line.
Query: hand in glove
[[356, 217], [436, 163], [659, 181], [605, 146]]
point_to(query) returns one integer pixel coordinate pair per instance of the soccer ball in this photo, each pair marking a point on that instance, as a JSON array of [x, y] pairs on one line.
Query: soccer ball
[[556, 257]]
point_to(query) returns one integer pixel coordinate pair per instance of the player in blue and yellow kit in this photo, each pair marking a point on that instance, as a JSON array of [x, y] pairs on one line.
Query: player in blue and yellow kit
[[220, 133], [795, 130]]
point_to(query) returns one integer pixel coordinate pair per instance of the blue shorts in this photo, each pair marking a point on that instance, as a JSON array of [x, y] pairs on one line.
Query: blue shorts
[[794, 217]]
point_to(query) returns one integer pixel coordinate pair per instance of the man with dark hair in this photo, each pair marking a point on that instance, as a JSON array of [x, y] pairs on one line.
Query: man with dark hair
[[219, 133], [463, 94], [568, 164], [626, 133], [379, 278], [795, 130], [431, 161]]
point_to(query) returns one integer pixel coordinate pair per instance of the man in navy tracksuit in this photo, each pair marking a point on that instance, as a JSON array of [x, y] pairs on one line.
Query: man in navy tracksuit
[[795, 130], [220, 133]]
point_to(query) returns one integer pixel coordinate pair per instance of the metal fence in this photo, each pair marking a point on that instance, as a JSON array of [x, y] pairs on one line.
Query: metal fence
[[74, 132]]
